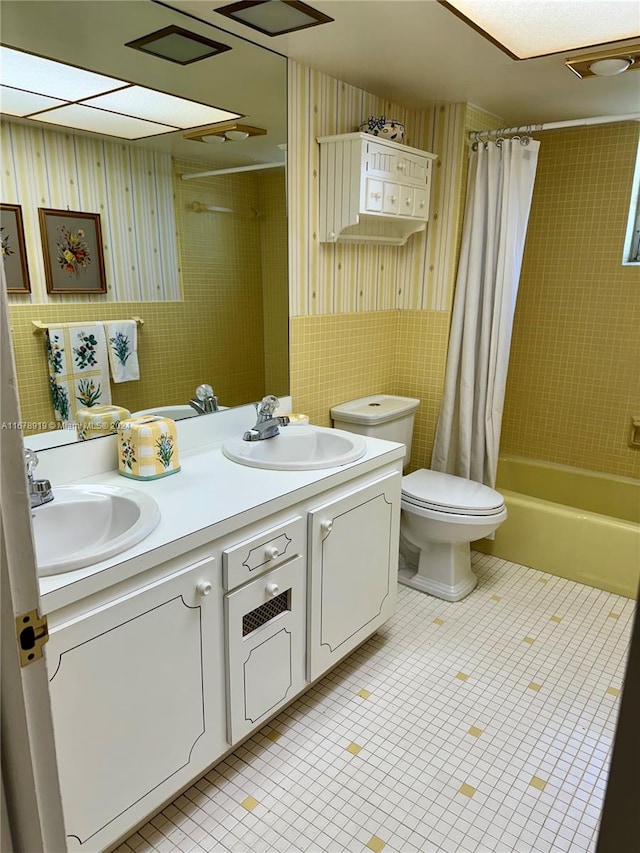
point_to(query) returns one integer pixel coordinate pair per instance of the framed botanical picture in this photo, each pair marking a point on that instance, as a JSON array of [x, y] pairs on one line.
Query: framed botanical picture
[[14, 255], [72, 247]]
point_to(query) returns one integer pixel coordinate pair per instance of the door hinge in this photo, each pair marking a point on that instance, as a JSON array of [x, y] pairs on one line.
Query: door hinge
[[32, 632]]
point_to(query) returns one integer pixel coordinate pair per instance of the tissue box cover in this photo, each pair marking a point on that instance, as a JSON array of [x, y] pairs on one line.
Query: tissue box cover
[[100, 420], [147, 447]]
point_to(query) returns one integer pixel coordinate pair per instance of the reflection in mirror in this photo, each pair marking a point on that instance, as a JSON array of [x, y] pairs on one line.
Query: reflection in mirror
[[203, 262]]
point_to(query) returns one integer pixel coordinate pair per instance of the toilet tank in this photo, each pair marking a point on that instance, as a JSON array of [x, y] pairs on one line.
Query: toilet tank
[[380, 416]]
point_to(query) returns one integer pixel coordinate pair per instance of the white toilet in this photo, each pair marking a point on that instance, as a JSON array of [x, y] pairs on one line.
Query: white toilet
[[441, 513]]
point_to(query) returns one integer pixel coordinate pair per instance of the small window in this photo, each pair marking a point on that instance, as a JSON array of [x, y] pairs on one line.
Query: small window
[[632, 240]]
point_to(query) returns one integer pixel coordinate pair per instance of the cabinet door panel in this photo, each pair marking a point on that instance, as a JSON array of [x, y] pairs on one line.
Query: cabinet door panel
[[265, 627], [353, 568], [128, 697]]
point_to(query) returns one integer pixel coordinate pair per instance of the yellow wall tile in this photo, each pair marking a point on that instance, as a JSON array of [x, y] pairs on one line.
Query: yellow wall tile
[[573, 374]]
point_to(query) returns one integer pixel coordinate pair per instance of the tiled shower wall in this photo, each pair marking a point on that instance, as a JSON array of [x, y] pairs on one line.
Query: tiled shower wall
[[573, 380]]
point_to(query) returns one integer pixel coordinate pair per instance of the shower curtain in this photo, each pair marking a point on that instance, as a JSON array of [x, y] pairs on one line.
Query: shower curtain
[[499, 191]]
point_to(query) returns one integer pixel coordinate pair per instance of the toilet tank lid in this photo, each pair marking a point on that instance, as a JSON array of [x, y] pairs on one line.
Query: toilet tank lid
[[376, 409]]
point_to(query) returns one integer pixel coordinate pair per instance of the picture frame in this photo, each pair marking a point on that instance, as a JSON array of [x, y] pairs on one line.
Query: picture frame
[[14, 253], [72, 249]]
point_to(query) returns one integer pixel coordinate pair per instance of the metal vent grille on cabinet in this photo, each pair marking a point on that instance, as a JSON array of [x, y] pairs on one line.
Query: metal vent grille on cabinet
[[266, 612]]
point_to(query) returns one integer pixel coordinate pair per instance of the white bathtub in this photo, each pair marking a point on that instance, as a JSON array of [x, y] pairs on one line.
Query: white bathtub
[[570, 522]]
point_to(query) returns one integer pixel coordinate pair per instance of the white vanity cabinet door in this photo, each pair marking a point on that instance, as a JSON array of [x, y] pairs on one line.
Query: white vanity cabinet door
[[136, 686], [265, 627], [353, 563]]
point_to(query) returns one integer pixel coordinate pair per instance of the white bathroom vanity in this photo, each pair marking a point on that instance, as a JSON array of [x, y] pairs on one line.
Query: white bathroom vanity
[[252, 586]]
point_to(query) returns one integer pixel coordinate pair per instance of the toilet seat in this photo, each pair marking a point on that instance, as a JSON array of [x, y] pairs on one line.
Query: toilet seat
[[447, 493]]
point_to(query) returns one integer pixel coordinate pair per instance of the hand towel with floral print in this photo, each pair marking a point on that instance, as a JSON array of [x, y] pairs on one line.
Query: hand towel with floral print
[[122, 344], [78, 368]]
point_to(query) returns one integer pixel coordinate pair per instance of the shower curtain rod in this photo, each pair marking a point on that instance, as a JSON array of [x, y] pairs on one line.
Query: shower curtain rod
[[477, 135], [232, 170]]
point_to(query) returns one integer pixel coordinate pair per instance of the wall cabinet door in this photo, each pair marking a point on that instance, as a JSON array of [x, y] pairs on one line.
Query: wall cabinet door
[[353, 564], [265, 628], [136, 686]]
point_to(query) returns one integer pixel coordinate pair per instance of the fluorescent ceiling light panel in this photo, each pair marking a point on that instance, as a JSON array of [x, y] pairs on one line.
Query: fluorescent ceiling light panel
[[157, 106], [46, 77], [274, 17], [526, 29], [15, 102], [42, 89], [178, 45], [80, 117]]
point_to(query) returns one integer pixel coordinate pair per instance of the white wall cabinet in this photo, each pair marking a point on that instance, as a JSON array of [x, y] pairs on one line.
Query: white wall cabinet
[[371, 190], [353, 563], [155, 678], [137, 695]]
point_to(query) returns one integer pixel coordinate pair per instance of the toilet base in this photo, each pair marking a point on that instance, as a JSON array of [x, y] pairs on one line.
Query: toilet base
[[443, 570]]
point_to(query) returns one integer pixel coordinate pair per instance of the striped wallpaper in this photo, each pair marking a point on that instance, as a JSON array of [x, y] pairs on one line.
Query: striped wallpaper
[[337, 278], [129, 186]]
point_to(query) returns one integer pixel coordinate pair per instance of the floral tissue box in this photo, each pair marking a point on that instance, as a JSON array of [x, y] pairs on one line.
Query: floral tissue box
[[147, 447], [100, 420]]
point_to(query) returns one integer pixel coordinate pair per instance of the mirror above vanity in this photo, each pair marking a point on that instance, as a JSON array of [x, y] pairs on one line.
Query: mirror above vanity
[[201, 262]]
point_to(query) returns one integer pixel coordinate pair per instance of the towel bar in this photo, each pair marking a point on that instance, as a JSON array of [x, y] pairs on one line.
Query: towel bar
[[42, 327]]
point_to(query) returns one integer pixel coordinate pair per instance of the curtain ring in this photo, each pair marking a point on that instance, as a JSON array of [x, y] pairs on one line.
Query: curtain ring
[[499, 142], [525, 141]]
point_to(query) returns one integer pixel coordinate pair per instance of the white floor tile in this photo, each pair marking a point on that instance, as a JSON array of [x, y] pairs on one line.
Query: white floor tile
[[485, 727]]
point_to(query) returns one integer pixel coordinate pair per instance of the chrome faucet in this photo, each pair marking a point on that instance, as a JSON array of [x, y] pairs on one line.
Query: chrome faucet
[[40, 491], [267, 424], [206, 400]]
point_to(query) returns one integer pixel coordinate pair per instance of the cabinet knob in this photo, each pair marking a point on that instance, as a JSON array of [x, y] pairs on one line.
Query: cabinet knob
[[407, 201], [401, 167], [204, 587], [271, 552], [393, 199], [272, 589], [376, 195], [332, 235], [421, 204], [326, 526]]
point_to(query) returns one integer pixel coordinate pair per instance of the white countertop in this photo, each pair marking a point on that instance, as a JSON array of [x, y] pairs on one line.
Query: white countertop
[[200, 503]]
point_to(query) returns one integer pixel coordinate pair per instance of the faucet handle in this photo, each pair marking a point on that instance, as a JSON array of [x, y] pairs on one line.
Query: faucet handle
[[204, 392], [268, 405], [30, 460]]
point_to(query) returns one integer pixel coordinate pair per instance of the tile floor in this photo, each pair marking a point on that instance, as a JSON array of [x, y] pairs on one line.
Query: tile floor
[[484, 725]]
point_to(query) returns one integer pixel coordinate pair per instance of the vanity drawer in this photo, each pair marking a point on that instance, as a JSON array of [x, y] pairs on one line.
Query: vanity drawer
[[265, 550]]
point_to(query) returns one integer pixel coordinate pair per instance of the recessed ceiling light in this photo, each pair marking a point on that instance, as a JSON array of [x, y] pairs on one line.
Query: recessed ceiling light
[[605, 63], [45, 90], [148, 104], [15, 102], [274, 17], [55, 79], [81, 117], [229, 130], [178, 45], [525, 30]]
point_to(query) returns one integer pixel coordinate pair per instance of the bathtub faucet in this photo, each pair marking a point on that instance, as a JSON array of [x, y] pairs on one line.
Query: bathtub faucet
[[267, 425]]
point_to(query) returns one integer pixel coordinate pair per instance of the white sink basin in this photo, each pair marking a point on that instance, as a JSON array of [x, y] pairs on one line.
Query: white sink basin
[[297, 448], [86, 524]]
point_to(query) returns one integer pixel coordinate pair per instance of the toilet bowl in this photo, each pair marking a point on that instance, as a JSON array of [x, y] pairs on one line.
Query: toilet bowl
[[441, 515]]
